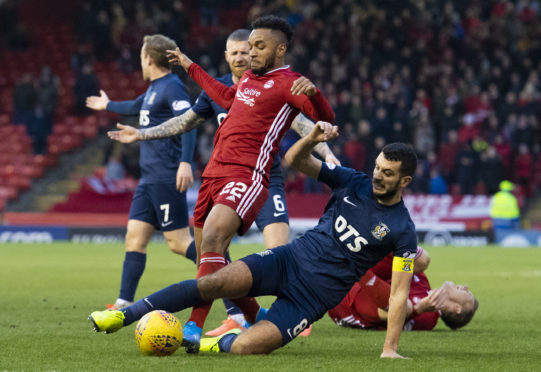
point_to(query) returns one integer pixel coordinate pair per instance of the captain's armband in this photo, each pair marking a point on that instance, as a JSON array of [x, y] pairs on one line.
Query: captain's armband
[[402, 264]]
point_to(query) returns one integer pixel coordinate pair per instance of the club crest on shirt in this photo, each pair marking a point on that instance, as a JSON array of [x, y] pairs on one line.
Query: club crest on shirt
[[268, 84], [380, 231]]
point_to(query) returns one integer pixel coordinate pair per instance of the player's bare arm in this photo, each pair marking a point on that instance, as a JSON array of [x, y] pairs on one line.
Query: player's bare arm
[[98, 103], [400, 284], [177, 125], [303, 86], [177, 57], [303, 126], [300, 154]]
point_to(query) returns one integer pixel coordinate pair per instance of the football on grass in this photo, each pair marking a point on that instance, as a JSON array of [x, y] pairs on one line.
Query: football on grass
[[158, 333]]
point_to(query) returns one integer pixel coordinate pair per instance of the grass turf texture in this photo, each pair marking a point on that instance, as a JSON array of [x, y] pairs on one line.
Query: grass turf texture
[[48, 290]]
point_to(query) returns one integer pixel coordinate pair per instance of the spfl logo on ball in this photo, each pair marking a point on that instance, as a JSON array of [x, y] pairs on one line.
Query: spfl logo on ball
[[268, 84]]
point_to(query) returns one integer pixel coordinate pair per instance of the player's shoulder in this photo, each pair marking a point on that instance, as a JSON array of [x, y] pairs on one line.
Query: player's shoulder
[[226, 79]]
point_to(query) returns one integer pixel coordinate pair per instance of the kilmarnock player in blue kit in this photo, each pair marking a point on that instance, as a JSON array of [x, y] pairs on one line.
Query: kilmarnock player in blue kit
[[364, 220], [165, 165], [272, 220]]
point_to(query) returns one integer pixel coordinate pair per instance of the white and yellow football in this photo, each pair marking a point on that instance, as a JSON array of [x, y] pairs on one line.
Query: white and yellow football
[[158, 333]]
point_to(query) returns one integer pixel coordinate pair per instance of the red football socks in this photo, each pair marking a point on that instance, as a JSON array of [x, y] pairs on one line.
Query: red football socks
[[209, 263]]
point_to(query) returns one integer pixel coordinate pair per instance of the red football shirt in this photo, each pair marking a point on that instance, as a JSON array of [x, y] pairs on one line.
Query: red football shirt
[[261, 109]]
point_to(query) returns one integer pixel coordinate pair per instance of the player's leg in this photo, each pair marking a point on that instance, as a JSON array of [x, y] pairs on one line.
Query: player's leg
[[272, 220], [220, 226], [138, 235], [235, 280]]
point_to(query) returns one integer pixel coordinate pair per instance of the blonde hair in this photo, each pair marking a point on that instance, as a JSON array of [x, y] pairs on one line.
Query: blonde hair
[[156, 46]]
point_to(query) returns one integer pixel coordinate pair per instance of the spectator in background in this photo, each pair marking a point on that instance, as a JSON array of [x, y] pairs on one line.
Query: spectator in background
[[523, 167], [25, 98], [39, 127], [467, 168], [48, 91], [86, 85], [492, 171], [504, 208]]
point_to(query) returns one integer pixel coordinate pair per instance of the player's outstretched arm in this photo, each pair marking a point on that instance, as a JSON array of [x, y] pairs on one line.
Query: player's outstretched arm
[[176, 125], [98, 103], [400, 284], [300, 154], [303, 126]]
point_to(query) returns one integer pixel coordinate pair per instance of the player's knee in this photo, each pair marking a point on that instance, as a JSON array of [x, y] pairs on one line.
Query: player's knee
[[134, 243], [211, 286], [215, 240], [243, 346]]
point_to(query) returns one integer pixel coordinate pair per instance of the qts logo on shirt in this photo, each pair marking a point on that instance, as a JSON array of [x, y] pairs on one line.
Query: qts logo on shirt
[[380, 231]]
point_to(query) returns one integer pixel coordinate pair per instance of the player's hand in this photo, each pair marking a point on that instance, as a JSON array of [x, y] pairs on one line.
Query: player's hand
[[323, 132], [439, 296], [184, 176], [98, 103], [126, 134], [391, 354], [303, 86], [331, 159], [177, 57]]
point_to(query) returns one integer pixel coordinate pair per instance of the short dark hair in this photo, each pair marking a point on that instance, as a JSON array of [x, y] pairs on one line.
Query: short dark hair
[[275, 23], [404, 153], [156, 47], [456, 321], [241, 34]]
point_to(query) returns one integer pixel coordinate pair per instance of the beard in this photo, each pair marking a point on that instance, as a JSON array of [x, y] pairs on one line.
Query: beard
[[389, 194], [267, 66]]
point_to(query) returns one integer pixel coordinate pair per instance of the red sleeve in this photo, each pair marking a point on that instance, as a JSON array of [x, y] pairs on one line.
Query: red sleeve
[[425, 321], [315, 107], [218, 92], [375, 289], [383, 269]]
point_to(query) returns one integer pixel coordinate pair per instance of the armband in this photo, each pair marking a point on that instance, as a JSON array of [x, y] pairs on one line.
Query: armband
[[402, 264]]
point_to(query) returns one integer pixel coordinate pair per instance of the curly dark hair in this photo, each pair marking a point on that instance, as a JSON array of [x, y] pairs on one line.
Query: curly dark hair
[[275, 23], [404, 153], [455, 321]]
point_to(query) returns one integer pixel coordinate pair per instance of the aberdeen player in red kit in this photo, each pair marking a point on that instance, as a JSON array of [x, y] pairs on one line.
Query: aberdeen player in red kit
[[365, 306], [234, 188]]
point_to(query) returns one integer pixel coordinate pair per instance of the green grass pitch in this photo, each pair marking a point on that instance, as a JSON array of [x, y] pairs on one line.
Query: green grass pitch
[[48, 290]]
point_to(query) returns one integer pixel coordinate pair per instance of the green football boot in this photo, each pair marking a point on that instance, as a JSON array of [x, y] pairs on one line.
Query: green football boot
[[107, 321]]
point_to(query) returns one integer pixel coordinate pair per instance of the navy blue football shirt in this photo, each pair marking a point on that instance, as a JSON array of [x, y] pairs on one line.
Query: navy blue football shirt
[[354, 233], [165, 98]]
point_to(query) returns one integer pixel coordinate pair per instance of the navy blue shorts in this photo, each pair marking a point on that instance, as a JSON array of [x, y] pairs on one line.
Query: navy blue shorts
[[274, 272], [162, 206], [275, 208]]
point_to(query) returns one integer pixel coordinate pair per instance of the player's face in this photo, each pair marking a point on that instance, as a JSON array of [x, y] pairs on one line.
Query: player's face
[[460, 297], [237, 55], [386, 181], [144, 63], [264, 47]]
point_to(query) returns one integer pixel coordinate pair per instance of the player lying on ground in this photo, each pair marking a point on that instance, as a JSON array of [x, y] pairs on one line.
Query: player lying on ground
[[364, 221], [272, 220], [366, 304]]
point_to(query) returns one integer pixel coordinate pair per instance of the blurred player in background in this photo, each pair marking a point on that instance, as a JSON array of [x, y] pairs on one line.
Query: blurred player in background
[[235, 183], [366, 304], [159, 203], [272, 220], [364, 220]]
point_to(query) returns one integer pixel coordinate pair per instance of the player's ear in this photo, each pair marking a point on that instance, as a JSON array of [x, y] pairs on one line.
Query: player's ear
[[281, 50], [404, 181], [457, 308]]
